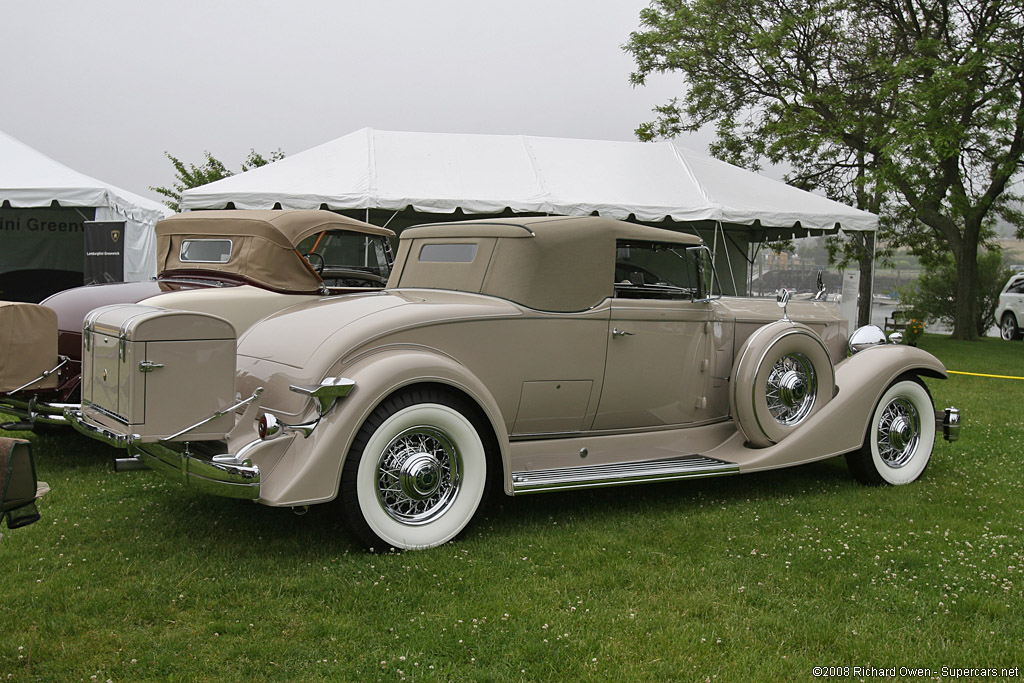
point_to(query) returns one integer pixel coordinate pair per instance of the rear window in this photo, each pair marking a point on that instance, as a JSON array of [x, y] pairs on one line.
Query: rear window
[[205, 251], [448, 253]]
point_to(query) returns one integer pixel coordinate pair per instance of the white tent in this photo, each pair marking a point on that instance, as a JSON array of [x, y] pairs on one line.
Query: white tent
[[29, 179], [488, 174]]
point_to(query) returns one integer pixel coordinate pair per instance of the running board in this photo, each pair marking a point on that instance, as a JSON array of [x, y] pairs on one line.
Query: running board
[[595, 476]]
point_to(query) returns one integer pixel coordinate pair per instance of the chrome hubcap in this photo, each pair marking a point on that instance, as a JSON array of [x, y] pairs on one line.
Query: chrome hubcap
[[791, 389], [899, 430], [1008, 328], [418, 475]]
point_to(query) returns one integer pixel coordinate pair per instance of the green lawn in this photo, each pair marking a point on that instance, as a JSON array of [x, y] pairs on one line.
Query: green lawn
[[760, 577]]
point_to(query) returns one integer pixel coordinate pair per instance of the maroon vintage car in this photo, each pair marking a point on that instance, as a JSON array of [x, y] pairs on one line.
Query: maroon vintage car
[[270, 259]]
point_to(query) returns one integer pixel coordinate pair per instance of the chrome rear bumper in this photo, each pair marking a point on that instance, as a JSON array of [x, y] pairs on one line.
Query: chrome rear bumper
[[33, 411], [948, 421], [220, 475]]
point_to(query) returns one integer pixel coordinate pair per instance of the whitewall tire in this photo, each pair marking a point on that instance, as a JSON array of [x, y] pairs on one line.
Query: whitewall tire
[[900, 437], [416, 474]]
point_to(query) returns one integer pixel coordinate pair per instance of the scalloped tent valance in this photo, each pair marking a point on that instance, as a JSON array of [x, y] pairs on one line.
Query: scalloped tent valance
[[490, 174]]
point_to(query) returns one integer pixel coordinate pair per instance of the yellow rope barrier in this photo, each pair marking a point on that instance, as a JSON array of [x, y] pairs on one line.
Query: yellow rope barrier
[[978, 374]]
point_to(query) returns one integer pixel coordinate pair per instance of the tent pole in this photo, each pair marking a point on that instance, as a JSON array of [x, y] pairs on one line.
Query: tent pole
[[750, 270], [871, 292], [728, 259], [388, 220]]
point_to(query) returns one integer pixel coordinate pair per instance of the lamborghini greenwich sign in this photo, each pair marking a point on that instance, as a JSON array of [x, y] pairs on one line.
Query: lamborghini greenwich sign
[[42, 238]]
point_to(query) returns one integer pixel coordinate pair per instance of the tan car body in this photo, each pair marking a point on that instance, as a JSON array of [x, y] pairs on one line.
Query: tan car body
[[580, 379], [263, 272]]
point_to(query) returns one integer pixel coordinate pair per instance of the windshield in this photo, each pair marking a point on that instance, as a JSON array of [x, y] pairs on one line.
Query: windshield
[[339, 256]]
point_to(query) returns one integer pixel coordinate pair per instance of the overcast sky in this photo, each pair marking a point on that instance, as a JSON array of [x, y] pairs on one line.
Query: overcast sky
[[106, 86]]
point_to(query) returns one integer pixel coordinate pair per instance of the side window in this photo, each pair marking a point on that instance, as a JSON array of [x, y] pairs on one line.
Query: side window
[[448, 253], [656, 270], [1017, 288]]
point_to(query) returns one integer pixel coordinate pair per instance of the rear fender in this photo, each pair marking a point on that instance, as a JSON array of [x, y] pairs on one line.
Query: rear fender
[[840, 426], [310, 470]]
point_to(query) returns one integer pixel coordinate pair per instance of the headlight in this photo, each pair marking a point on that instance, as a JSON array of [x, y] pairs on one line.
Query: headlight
[[865, 337]]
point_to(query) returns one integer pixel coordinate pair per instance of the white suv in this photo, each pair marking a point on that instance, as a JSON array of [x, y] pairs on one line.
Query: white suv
[[1010, 312]]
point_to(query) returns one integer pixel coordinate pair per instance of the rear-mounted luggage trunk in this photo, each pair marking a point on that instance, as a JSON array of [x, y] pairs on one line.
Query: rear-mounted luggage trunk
[[154, 372], [28, 346]]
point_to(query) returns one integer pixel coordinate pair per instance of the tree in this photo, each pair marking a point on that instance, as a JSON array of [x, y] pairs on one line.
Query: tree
[[189, 175], [912, 108], [929, 297]]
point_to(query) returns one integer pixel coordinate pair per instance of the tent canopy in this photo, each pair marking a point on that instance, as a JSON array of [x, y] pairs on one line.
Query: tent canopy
[[492, 174], [29, 179]]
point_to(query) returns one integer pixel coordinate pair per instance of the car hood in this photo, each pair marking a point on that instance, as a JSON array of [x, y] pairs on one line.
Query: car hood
[[339, 326]]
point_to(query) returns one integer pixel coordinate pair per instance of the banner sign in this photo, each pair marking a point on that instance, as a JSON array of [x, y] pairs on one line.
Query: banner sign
[[37, 239], [104, 252], [851, 292], [41, 251]]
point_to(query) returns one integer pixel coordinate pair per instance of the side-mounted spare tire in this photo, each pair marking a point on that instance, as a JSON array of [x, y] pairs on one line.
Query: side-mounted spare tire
[[783, 374]]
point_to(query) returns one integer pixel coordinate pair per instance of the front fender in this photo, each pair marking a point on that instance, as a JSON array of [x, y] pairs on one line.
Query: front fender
[[310, 470], [839, 427]]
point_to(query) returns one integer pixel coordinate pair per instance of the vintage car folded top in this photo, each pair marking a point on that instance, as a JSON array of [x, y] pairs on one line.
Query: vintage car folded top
[[266, 260], [529, 355]]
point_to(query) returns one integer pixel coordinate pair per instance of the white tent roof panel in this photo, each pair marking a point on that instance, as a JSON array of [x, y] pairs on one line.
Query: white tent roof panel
[[442, 172]]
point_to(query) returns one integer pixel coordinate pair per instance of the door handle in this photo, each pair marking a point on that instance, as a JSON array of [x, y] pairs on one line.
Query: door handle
[[616, 332]]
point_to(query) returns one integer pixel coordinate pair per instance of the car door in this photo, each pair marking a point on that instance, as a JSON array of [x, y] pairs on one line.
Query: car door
[[656, 371], [1015, 300]]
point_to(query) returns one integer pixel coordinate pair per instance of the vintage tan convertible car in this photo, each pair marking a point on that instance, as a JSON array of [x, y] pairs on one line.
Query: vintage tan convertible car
[[267, 260], [539, 354]]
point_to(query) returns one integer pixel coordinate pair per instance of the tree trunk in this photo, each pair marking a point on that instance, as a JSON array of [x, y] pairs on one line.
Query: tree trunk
[[965, 313]]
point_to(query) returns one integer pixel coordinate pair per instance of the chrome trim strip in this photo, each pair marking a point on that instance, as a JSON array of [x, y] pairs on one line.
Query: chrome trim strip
[[46, 373], [74, 418], [109, 413], [595, 476], [217, 414]]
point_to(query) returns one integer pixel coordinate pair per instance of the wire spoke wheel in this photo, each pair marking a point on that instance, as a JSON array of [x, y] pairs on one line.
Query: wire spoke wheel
[[418, 475], [791, 388], [899, 432]]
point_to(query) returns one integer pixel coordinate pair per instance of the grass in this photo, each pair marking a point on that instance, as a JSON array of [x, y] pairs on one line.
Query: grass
[[760, 577]]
